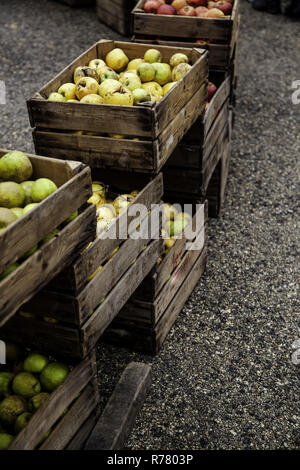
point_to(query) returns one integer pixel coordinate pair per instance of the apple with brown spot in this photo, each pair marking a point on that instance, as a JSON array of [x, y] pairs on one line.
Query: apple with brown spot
[[187, 11]]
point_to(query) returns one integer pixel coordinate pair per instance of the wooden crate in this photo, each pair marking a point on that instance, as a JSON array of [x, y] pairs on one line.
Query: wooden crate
[[77, 342], [64, 427], [146, 319], [219, 35], [192, 164], [117, 15], [74, 188], [220, 56], [159, 126], [216, 189]]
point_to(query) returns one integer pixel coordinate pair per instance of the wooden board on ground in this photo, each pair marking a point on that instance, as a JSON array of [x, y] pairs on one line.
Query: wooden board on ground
[[118, 417]]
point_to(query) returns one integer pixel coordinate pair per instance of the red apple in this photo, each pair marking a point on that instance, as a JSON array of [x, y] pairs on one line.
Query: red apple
[[151, 6], [200, 11], [178, 4], [201, 41], [167, 10], [187, 11], [211, 90], [214, 13], [224, 6], [197, 3], [211, 4]]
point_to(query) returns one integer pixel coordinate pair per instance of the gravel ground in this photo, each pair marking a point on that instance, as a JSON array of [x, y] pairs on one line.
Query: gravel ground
[[224, 378]]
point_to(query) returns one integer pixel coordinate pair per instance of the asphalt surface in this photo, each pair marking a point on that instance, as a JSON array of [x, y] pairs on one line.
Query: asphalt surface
[[224, 378]]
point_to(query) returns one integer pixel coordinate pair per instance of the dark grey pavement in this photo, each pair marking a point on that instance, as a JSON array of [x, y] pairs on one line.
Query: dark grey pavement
[[224, 378]]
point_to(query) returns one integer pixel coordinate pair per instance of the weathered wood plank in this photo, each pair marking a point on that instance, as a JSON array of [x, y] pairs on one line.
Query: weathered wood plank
[[118, 417], [103, 316], [35, 272], [184, 27], [72, 421]]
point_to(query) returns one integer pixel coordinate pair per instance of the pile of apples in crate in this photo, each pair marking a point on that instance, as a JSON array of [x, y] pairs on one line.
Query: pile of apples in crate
[[118, 81], [200, 8], [25, 385]]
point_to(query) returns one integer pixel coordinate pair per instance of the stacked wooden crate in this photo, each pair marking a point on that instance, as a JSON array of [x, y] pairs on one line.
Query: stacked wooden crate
[[199, 164], [151, 132], [116, 14], [73, 180], [69, 414], [72, 312], [146, 319]]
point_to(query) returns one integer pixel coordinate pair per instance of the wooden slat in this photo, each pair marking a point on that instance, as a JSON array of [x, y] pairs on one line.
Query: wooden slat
[[98, 252], [97, 151], [84, 432], [219, 55], [53, 408], [118, 417], [102, 317], [112, 271], [72, 421], [45, 263], [180, 26]]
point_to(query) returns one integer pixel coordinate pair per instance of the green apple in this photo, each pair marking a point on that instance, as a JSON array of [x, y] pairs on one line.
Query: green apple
[[108, 86], [168, 87], [163, 73], [86, 86], [108, 74], [97, 64], [140, 96], [133, 64], [152, 55], [117, 59], [56, 97], [132, 82], [125, 75], [82, 72], [41, 189], [67, 90], [29, 207], [92, 99], [146, 72], [72, 101], [178, 58], [181, 216], [121, 96], [180, 70]]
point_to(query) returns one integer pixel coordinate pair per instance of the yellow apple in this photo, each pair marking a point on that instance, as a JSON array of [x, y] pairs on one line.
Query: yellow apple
[[140, 96], [56, 97], [82, 72], [180, 70], [108, 86], [97, 64], [116, 136], [92, 99], [152, 55], [122, 202], [132, 82], [125, 75], [117, 59], [154, 89], [178, 58], [108, 73], [105, 212], [169, 212], [86, 86], [73, 101], [133, 64], [121, 96], [168, 87], [99, 188], [67, 90]]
